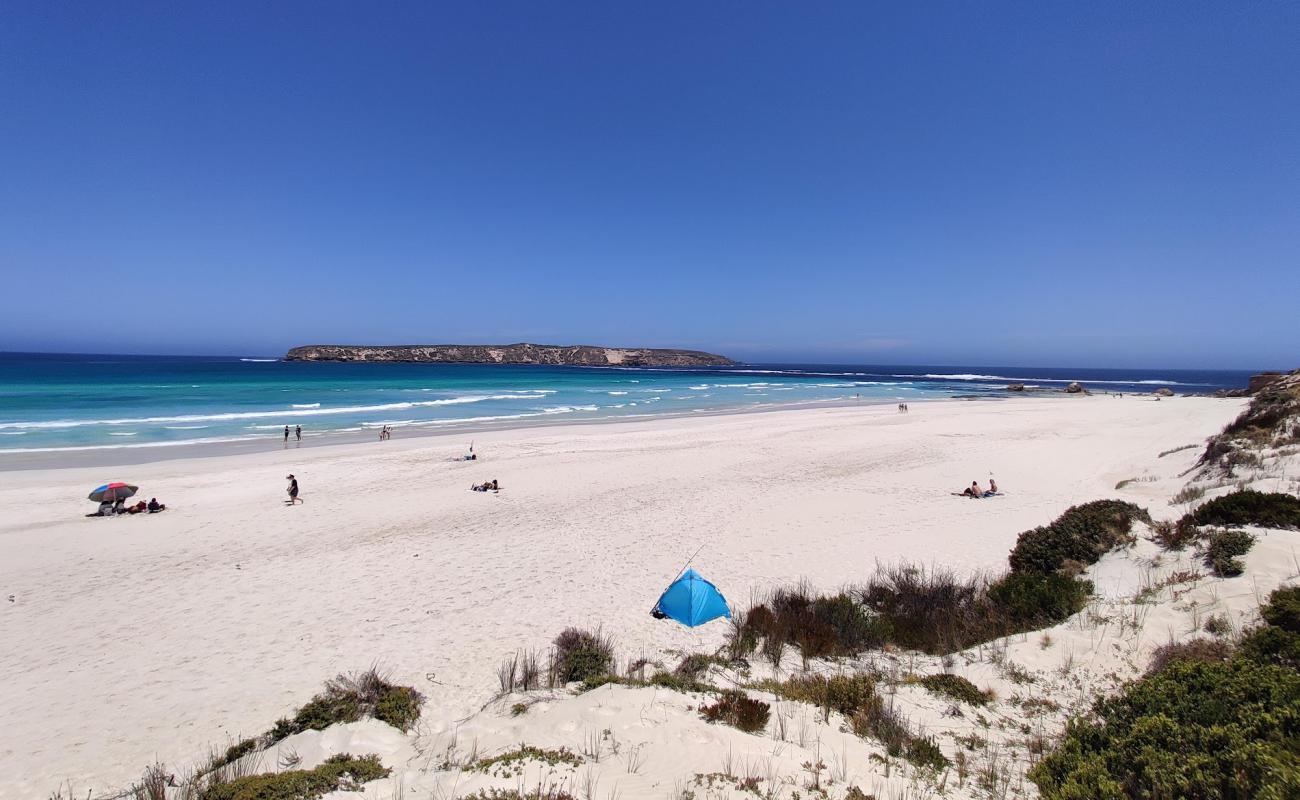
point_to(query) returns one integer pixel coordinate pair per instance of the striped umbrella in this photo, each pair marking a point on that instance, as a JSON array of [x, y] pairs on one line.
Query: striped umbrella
[[113, 491]]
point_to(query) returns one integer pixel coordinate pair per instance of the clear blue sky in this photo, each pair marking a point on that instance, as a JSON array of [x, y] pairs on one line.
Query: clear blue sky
[[1108, 184]]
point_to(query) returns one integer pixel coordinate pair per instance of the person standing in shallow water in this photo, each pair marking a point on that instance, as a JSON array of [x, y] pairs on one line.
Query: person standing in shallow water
[[286, 434], [297, 430]]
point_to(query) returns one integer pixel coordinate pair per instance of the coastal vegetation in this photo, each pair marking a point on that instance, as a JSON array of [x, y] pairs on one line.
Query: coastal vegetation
[[935, 611], [345, 698], [1197, 726], [342, 772]]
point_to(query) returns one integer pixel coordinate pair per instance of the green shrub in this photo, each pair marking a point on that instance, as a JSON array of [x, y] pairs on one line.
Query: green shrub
[[843, 693], [581, 655], [1193, 730], [1277, 642], [348, 698], [341, 772], [1271, 645], [956, 687], [1083, 534], [1283, 609], [1222, 549], [677, 683], [1248, 507], [738, 710], [1026, 601]]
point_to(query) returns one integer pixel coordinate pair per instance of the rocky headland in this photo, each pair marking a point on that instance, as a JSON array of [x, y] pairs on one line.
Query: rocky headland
[[523, 353]]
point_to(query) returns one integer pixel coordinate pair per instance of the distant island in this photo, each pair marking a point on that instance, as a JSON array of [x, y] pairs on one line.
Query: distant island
[[523, 353]]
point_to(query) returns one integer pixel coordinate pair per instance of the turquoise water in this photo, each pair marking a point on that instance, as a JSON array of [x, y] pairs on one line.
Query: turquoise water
[[53, 404]]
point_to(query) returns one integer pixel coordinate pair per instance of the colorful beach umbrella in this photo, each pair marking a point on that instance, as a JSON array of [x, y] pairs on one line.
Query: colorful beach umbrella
[[113, 491], [692, 601]]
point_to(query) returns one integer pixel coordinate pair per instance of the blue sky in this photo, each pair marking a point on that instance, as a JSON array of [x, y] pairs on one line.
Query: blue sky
[[1099, 184]]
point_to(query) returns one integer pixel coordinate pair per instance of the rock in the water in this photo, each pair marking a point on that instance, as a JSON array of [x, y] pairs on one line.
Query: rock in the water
[[1074, 388], [1163, 391], [1016, 387]]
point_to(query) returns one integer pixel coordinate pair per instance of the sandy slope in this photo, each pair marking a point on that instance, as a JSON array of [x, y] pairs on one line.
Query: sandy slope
[[135, 638]]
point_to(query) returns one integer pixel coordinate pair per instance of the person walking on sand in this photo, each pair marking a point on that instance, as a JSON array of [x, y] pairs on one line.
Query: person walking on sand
[[286, 434], [297, 431], [293, 490]]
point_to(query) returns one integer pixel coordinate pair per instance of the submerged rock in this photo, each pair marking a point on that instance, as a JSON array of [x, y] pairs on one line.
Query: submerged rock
[[1074, 388]]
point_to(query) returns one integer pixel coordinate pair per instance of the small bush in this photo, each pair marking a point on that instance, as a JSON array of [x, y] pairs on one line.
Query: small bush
[[581, 655], [341, 772], [678, 683], [1248, 507], [738, 710], [1283, 609], [1210, 651], [956, 687], [1175, 535], [348, 698], [1029, 601], [1277, 642], [1084, 533], [1187, 494], [1222, 549]]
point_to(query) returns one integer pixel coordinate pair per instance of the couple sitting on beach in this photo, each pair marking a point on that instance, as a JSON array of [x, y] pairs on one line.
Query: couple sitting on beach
[[974, 492], [486, 486]]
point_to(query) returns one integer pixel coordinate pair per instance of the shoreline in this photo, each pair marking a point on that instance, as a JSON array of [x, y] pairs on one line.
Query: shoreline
[[108, 456]]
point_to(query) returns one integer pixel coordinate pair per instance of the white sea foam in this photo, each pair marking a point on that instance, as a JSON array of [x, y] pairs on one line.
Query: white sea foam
[[616, 394], [269, 414], [128, 433], [260, 360], [306, 405]]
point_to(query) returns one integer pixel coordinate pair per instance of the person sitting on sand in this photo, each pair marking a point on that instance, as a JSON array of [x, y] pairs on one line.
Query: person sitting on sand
[[106, 509], [973, 490], [137, 508], [154, 506], [993, 488], [119, 507]]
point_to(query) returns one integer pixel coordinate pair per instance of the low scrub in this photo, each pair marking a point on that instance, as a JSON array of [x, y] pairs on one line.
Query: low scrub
[[957, 688], [1222, 549], [341, 772], [844, 694], [1248, 507], [820, 626], [581, 655], [348, 698], [1198, 726], [1172, 535], [738, 710], [511, 763], [1080, 536]]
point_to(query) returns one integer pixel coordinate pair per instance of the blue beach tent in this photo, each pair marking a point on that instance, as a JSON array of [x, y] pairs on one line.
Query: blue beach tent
[[692, 601]]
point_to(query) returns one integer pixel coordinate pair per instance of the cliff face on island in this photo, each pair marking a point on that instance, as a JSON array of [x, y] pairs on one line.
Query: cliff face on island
[[554, 355]]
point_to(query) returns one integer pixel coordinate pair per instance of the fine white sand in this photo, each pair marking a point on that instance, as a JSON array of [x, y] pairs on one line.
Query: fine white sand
[[153, 637]]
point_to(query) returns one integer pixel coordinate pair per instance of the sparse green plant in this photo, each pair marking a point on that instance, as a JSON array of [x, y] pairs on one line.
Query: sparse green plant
[[1222, 549], [956, 687], [511, 763]]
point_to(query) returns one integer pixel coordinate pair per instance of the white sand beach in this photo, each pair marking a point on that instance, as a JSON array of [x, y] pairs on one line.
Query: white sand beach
[[157, 636]]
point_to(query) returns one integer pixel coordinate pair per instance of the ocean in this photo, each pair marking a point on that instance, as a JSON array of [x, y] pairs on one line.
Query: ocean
[[69, 404]]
